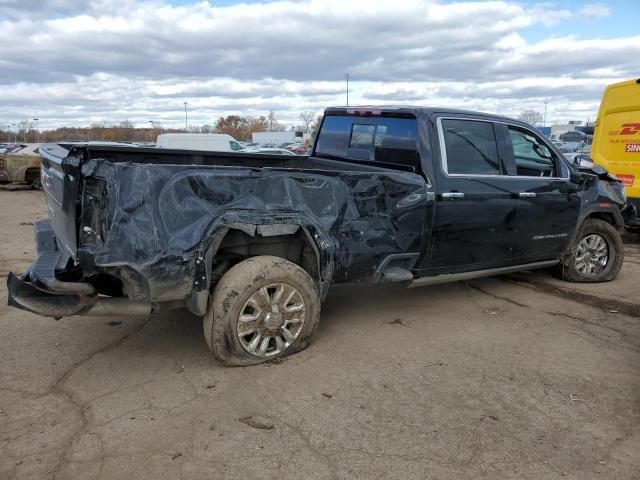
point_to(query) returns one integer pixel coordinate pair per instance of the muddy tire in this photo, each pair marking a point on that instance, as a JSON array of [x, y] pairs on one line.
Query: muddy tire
[[261, 309], [595, 256]]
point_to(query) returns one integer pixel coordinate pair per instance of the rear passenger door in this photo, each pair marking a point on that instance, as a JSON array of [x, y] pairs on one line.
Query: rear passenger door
[[474, 226], [547, 200]]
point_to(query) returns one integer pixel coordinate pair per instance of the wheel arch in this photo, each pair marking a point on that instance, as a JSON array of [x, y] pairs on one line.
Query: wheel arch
[[607, 212], [299, 242]]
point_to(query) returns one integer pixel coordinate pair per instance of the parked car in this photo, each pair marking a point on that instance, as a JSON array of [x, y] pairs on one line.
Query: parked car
[[298, 149], [579, 159], [22, 165], [8, 148], [575, 136], [419, 196], [269, 151]]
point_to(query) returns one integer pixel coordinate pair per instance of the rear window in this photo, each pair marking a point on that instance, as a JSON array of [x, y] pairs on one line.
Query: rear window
[[377, 139]]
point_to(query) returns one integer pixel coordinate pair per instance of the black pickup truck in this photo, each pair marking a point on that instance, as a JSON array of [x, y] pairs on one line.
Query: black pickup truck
[[252, 242]]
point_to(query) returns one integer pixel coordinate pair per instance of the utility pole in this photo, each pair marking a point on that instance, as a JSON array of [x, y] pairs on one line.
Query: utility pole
[[186, 117], [347, 76], [545, 112], [37, 131]]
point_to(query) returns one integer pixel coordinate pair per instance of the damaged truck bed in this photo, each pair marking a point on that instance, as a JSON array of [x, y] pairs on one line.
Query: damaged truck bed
[[252, 242]]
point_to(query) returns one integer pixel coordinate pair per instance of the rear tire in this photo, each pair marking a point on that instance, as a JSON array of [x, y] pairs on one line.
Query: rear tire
[[261, 309], [585, 261]]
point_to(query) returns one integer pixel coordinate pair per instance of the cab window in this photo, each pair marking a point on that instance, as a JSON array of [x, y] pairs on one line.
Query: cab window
[[388, 140], [470, 148], [235, 146], [532, 157]]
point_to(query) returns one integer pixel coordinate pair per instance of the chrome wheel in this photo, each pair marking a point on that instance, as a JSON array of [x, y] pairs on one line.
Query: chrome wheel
[[592, 255], [271, 320]]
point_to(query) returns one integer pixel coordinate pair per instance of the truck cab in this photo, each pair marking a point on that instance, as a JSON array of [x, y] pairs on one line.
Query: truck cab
[[500, 195]]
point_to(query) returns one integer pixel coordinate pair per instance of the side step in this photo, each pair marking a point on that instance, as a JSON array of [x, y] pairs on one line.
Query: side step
[[456, 277]]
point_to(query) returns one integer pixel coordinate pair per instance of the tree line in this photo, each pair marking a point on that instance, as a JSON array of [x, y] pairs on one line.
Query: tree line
[[238, 126]]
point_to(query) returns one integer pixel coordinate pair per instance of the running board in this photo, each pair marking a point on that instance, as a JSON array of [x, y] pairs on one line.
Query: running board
[[456, 277]]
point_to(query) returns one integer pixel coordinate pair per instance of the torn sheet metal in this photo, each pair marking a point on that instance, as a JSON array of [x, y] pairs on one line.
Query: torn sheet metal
[[156, 219]]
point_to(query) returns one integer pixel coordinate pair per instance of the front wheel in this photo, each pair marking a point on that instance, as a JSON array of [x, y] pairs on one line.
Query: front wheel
[[596, 255], [263, 308]]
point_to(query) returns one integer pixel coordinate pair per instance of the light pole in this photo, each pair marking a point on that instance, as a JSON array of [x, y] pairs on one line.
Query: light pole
[[186, 117], [347, 76], [8, 133], [545, 112], [15, 134], [37, 131]]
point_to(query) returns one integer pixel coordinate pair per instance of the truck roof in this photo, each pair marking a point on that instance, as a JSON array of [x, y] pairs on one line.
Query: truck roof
[[411, 110]]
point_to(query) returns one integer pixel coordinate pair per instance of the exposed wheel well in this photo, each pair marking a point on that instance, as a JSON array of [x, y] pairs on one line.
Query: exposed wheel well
[[31, 174], [237, 245], [607, 217]]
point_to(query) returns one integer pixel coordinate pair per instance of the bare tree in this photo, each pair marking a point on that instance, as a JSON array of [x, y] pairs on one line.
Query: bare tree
[[271, 120], [315, 125], [307, 118], [531, 117], [24, 128]]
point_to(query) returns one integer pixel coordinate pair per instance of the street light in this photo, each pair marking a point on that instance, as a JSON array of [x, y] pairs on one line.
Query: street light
[[15, 134], [347, 76], [186, 117], [37, 131], [545, 112], [8, 133]]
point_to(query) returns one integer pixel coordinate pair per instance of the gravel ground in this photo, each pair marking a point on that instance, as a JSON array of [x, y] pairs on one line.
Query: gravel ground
[[513, 377]]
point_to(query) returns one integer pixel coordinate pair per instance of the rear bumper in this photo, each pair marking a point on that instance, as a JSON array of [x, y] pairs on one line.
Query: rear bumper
[[39, 290]]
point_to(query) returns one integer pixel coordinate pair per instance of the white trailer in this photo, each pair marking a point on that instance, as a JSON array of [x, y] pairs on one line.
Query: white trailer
[[275, 138], [213, 142]]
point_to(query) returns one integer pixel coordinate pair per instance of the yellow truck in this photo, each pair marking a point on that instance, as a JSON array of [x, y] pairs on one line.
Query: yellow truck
[[616, 142], [21, 165]]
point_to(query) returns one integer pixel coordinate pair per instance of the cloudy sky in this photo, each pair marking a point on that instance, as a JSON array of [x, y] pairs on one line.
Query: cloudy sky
[[76, 62]]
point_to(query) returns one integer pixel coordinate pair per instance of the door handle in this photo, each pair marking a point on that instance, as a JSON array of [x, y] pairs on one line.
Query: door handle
[[453, 195], [527, 195]]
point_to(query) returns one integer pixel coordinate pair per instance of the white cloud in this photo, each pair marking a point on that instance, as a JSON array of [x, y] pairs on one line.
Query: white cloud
[[594, 11], [80, 61]]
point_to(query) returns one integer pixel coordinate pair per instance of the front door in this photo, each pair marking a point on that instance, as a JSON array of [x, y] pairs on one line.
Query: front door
[[474, 226], [548, 202]]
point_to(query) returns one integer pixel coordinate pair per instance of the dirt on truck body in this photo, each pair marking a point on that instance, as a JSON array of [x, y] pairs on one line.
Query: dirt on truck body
[[252, 242]]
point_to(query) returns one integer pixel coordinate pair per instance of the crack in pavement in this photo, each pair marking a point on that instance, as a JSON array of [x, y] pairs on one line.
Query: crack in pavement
[[629, 309], [550, 289], [498, 297], [58, 388], [313, 449], [634, 346]]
